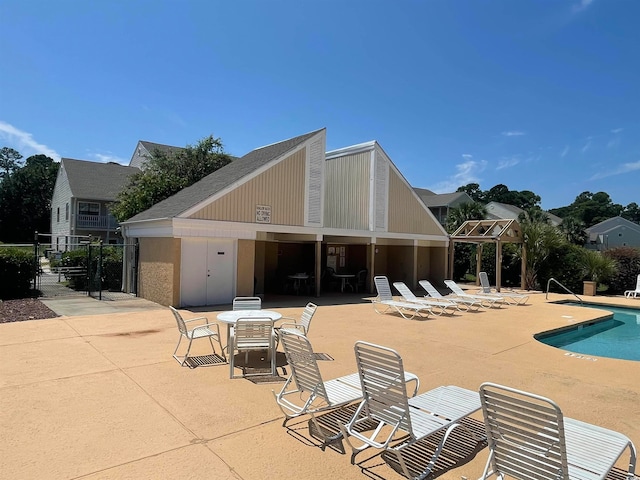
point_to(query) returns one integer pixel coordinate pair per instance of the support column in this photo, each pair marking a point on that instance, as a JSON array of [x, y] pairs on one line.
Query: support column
[[372, 267], [318, 274], [498, 265], [523, 269], [414, 279], [479, 249], [449, 273]]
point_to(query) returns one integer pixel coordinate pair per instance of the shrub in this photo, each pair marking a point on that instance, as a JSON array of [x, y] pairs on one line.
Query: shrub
[[628, 260], [564, 265], [16, 272]]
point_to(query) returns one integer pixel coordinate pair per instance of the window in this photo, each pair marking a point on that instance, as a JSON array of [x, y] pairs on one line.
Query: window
[[58, 215], [86, 208], [66, 212]]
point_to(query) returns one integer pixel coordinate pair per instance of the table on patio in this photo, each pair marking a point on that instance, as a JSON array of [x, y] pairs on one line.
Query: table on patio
[[345, 277], [230, 317]]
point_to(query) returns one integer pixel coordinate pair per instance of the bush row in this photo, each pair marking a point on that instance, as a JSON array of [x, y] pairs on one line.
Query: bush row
[[16, 272]]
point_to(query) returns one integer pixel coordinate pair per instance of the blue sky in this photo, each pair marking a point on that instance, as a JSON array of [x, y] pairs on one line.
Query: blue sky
[[536, 95]]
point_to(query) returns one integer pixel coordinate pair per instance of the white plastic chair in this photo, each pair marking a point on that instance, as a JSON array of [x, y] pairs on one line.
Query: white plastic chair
[[528, 433], [634, 293], [385, 299], [205, 330], [247, 303], [385, 403], [250, 334], [304, 323], [509, 297], [432, 292]]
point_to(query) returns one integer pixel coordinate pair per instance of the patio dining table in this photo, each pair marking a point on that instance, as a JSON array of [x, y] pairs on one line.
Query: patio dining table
[[345, 277], [230, 317]]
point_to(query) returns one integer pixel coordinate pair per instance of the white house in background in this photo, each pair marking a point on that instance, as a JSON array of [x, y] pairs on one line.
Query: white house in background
[[79, 206], [497, 210], [145, 150], [613, 232], [441, 203]]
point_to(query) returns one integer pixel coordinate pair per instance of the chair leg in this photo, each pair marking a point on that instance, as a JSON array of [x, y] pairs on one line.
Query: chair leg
[[178, 359]]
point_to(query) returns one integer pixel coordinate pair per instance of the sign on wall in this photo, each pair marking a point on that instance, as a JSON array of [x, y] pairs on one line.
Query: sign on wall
[[263, 213]]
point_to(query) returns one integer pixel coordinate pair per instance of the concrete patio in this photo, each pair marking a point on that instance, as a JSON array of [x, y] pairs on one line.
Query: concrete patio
[[99, 395]]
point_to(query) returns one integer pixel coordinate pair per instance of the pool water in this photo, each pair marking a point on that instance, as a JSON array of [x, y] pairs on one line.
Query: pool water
[[618, 337]]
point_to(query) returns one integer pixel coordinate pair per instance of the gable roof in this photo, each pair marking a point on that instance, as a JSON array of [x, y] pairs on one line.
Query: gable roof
[[516, 211], [431, 199], [610, 223], [151, 147], [96, 181], [220, 179]]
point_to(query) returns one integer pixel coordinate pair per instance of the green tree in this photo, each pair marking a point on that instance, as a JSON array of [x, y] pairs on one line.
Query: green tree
[[166, 173], [590, 208], [540, 239], [9, 161], [524, 199], [463, 212], [473, 190], [632, 212], [25, 199], [574, 230]]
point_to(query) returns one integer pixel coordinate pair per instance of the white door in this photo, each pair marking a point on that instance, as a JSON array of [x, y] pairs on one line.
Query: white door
[[208, 271]]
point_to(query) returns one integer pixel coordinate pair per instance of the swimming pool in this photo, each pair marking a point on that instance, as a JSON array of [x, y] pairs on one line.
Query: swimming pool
[[617, 337]]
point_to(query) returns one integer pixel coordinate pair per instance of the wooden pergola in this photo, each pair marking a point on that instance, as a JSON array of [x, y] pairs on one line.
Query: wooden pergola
[[490, 231]]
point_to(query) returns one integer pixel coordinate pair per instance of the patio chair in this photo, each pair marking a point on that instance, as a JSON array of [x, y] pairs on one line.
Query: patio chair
[[432, 292], [247, 303], [527, 433], [398, 417], [361, 280], [509, 297], [485, 300], [306, 393], [385, 299], [205, 330], [439, 307], [634, 293], [303, 324], [250, 334]]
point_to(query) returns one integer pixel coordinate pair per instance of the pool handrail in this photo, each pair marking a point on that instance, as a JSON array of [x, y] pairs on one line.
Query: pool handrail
[[569, 291]]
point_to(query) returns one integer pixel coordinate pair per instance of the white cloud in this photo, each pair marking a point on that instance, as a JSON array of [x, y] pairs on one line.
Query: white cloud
[[508, 163], [617, 130], [24, 142], [106, 158], [581, 6], [624, 168], [614, 142], [466, 172], [513, 133], [564, 151], [586, 146]]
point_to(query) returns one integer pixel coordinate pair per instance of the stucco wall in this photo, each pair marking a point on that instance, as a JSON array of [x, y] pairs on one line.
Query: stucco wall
[[159, 274], [246, 265]]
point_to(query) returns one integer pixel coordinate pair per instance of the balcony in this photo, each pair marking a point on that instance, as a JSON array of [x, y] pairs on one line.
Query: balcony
[[96, 222]]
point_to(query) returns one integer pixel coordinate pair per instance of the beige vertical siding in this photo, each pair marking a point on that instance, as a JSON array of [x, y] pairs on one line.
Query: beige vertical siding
[[245, 271], [406, 213], [347, 192], [159, 279], [281, 187]]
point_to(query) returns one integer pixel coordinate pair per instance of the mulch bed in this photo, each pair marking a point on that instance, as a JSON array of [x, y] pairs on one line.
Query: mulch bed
[[24, 309]]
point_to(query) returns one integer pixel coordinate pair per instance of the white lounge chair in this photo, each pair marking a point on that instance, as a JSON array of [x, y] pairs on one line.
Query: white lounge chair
[[407, 310], [398, 417], [305, 392], [432, 292], [634, 293], [527, 433], [509, 297], [439, 308], [485, 300], [204, 330]]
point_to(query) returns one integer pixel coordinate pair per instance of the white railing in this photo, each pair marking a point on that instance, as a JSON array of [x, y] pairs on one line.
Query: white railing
[[98, 222]]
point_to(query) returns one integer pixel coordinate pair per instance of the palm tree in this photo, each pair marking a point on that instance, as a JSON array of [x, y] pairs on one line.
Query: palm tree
[[463, 212], [539, 239], [574, 230]]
